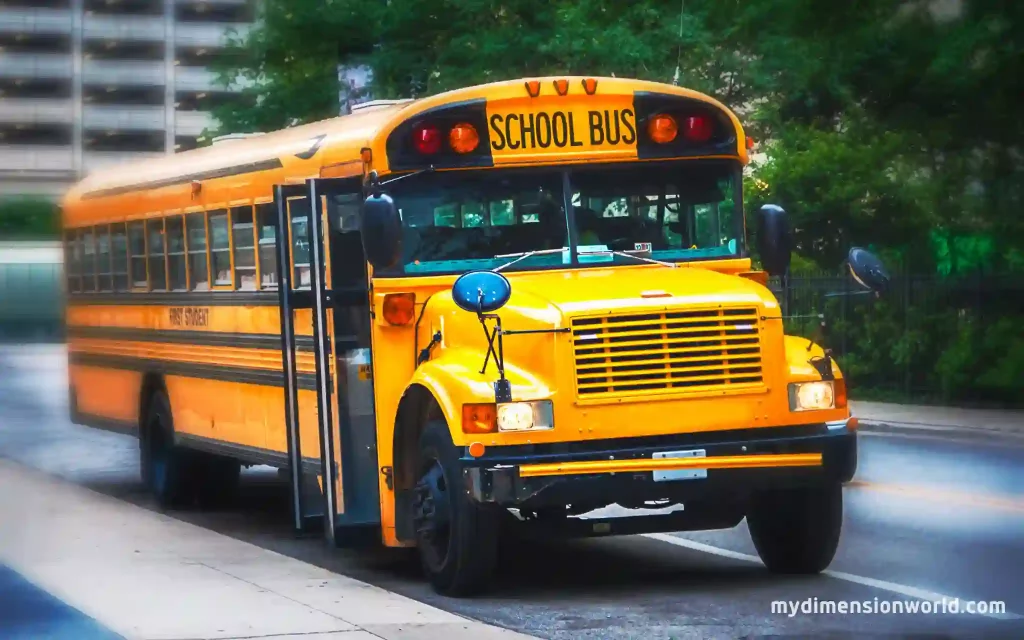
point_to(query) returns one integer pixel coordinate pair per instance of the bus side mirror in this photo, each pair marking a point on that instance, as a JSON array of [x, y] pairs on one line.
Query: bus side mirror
[[774, 241], [867, 269], [481, 292], [381, 231]]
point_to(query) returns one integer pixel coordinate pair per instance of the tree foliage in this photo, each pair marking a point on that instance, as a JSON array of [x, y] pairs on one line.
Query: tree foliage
[[885, 122]]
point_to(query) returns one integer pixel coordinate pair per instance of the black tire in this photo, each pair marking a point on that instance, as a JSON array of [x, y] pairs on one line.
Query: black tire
[[167, 471], [457, 539], [217, 479], [796, 531]]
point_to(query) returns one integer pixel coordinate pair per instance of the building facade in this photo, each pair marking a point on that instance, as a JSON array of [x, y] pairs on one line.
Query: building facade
[[89, 83]]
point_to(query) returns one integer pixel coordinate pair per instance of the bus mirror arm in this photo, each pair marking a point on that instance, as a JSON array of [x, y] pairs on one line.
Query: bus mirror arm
[[502, 387]]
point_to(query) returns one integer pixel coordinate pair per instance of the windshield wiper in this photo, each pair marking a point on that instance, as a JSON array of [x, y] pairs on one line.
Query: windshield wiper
[[523, 255], [624, 254]]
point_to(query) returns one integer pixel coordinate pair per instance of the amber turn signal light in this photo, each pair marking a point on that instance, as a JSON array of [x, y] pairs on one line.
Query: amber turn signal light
[[464, 138], [662, 128], [479, 418], [839, 389], [399, 308]]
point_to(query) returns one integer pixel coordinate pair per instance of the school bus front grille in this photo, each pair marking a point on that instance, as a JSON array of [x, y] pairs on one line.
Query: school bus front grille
[[691, 351]]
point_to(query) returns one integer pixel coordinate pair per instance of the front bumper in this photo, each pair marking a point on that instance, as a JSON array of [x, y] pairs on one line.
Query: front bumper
[[598, 473]]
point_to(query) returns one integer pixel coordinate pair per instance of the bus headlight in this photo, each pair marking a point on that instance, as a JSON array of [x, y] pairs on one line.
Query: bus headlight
[[811, 396], [526, 416]]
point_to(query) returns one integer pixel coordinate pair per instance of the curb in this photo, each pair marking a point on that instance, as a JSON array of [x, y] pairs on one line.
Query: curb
[[938, 431]]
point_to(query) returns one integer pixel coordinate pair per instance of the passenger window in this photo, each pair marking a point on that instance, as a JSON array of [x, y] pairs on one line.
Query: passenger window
[[103, 258], [119, 257], [71, 262], [176, 257], [137, 249], [88, 261], [220, 248], [266, 214], [195, 225], [157, 264], [299, 213], [243, 242]]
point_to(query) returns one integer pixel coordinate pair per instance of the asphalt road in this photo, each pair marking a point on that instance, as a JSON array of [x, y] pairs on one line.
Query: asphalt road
[[925, 518]]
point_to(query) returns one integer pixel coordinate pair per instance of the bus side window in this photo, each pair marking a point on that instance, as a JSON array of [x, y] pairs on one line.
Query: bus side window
[[137, 251], [157, 259], [298, 212], [266, 215], [198, 271], [71, 261], [243, 244], [176, 257], [103, 266], [119, 256], [88, 264], [220, 247]]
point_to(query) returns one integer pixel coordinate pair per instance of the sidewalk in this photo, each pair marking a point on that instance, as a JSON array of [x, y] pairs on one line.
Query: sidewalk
[[145, 575], [909, 417]]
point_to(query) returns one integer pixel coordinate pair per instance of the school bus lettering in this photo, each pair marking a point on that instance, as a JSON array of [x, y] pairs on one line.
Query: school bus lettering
[[560, 130], [189, 316]]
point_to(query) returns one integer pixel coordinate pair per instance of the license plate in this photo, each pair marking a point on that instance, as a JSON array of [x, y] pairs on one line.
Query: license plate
[[680, 474]]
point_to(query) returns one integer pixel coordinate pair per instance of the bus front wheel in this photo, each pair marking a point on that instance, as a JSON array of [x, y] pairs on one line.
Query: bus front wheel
[[796, 531], [457, 539]]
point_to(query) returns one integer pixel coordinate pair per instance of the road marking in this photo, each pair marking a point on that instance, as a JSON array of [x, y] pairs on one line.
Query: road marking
[[942, 495], [884, 585]]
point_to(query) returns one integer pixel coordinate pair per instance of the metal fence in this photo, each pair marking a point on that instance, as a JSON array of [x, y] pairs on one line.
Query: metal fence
[[927, 338]]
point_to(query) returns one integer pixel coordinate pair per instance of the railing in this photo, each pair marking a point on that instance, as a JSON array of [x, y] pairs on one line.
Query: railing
[[35, 65], [30, 111], [124, 72], [121, 118], [17, 158], [123, 27], [18, 20], [928, 338]]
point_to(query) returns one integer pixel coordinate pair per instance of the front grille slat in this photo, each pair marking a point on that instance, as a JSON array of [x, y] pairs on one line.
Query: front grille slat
[[691, 351]]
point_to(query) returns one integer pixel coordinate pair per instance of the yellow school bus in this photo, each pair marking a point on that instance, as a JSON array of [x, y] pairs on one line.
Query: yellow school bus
[[494, 309]]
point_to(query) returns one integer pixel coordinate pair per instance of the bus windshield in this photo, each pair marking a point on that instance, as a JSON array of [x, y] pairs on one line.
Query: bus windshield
[[459, 221]]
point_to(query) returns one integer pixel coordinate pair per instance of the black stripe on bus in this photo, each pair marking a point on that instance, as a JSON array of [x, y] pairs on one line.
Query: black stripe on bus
[[179, 298], [199, 176], [223, 373], [252, 455], [199, 338]]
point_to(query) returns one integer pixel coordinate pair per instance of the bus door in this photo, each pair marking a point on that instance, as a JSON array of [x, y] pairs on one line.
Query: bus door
[[310, 306]]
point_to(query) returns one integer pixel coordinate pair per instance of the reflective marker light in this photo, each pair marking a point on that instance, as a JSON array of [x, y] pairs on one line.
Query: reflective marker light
[[533, 88], [590, 86], [464, 138], [525, 416], [662, 128], [561, 87], [698, 128], [811, 396], [427, 139], [478, 418], [399, 308]]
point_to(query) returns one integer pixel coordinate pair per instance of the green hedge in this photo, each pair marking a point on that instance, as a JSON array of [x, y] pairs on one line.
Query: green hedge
[[29, 219]]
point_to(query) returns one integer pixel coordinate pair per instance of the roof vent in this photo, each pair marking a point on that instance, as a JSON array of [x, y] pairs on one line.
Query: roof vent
[[376, 104], [236, 136]]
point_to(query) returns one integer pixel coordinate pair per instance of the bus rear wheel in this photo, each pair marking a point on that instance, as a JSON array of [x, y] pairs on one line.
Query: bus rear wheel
[[167, 470], [796, 531], [457, 539]]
